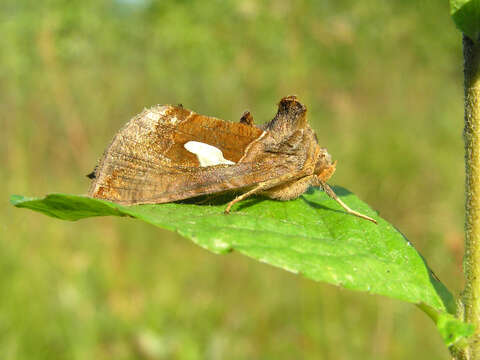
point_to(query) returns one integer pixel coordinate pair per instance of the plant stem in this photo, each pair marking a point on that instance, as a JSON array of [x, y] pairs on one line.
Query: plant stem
[[471, 262]]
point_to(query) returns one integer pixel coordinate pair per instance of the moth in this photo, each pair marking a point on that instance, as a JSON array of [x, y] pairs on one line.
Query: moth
[[168, 153]]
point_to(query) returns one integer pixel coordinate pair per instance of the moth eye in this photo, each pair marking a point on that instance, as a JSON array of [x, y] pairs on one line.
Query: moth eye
[[207, 155]]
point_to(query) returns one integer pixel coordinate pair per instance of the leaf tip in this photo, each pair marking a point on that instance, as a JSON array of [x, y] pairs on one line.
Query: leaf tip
[[16, 200]]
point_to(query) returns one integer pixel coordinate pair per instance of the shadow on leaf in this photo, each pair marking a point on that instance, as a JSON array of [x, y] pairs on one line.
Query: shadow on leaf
[[340, 191]]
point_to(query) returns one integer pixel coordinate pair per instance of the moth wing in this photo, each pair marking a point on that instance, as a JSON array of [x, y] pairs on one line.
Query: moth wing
[[147, 161]]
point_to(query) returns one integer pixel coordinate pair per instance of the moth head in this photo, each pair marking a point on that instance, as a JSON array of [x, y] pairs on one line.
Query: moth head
[[291, 116], [325, 167]]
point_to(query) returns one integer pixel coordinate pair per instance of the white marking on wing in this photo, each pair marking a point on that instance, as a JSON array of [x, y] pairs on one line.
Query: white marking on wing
[[207, 155]]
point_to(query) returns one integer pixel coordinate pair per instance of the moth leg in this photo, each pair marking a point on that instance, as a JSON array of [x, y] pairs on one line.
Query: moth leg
[[255, 190], [328, 190], [247, 118], [261, 187]]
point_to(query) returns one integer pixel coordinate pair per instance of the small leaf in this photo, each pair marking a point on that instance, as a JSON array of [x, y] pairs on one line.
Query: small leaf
[[466, 15], [452, 330], [311, 236]]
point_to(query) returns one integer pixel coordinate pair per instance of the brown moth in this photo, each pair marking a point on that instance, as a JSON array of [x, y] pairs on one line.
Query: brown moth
[[168, 153]]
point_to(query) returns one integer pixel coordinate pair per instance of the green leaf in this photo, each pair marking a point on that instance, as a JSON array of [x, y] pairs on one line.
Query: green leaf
[[452, 330], [466, 15], [311, 236]]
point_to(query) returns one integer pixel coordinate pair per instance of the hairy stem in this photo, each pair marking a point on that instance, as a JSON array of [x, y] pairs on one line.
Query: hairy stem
[[471, 264]]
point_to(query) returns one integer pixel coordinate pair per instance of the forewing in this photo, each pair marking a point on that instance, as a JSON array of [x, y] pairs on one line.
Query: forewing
[[147, 162]]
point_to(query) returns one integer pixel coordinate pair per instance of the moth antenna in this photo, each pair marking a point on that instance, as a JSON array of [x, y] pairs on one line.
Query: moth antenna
[[328, 190]]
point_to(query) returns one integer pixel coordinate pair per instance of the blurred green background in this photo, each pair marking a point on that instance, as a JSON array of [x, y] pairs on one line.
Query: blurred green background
[[383, 84]]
